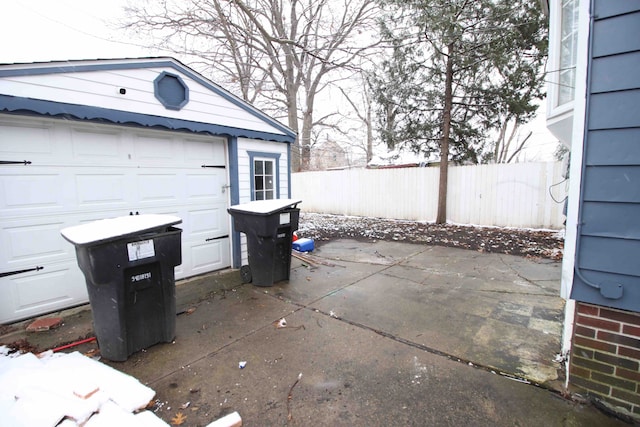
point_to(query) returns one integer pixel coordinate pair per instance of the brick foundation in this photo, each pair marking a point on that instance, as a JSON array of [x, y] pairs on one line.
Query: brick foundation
[[605, 356]]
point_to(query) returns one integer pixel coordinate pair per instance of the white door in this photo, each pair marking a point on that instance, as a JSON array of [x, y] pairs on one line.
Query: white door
[[84, 172]]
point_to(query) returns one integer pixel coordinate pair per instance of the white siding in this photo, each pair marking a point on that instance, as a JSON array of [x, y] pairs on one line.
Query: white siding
[[497, 195], [101, 89], [244, 179]]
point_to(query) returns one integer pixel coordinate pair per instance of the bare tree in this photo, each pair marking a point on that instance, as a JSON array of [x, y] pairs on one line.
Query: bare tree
[[361, 112], [279, 54], [503, 151]]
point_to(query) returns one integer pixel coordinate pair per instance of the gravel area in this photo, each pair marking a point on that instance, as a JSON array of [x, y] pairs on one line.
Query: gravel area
[[514, 241]]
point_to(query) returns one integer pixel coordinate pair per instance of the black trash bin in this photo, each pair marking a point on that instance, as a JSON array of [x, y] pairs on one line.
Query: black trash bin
[[269, 227], [128, 263]]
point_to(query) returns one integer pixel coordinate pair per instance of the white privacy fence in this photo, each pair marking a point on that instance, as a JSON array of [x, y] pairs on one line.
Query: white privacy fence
[[506, 195]]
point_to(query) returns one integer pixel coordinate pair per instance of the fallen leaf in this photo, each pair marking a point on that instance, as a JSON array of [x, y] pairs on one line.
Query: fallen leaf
[[94, 353], [179, 419]]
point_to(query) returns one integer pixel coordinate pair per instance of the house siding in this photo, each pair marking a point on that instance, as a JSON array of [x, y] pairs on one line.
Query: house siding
[[247, 147], [609, 221], [604, 362], [98, 84]]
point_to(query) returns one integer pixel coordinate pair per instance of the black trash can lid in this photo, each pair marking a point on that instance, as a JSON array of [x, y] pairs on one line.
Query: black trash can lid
[[114, 228], [264, 207]]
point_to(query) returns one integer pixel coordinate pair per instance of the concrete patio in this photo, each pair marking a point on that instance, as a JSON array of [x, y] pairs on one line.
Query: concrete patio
[[381, 333]]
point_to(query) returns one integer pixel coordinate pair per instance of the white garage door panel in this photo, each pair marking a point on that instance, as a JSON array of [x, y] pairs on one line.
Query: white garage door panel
[[211, 256], [97, 147], [32, 243], [29, 294], [82, 173], [36, 290], [207, 223], [25, 140], [200, 151], [30, 190], [158, 187], [102, 189], [209, 183]]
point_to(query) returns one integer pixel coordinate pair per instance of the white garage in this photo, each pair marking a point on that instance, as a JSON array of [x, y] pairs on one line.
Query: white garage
[[89, 140]]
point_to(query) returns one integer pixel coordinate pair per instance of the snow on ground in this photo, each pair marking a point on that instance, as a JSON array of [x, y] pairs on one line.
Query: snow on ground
[[70, 389], [514, 241]]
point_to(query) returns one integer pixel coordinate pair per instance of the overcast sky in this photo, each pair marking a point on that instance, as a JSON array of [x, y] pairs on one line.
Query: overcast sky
[[49, 30], [52, 30]]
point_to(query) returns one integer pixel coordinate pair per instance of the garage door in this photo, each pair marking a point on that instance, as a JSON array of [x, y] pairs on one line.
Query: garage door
[[80, 173]]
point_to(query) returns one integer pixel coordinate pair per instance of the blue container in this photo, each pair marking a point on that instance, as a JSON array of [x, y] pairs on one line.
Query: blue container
[[303, 245]]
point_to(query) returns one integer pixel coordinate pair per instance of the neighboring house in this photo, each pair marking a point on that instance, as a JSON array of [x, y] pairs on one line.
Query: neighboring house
[[86, 140], [594, 108], [398, 158], [328, 155]]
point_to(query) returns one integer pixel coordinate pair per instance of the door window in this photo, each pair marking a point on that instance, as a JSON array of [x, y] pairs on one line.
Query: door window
[[263, 179]]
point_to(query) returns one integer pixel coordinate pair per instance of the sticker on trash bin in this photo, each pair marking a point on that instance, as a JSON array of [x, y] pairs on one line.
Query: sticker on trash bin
[[141, 250], [285, 218]]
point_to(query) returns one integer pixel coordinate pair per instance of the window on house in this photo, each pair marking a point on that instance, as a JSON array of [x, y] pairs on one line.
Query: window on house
[[568, 50], [263, 179]]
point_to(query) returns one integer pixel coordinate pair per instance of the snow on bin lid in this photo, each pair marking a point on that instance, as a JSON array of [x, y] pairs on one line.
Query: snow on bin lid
[[109, 229], [264, 207]]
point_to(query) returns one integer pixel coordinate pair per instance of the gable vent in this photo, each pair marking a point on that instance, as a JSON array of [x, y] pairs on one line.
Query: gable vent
[[171, 91]]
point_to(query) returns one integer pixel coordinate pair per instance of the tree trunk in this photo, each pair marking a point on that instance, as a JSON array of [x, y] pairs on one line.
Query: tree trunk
[[292, 113], [305, 141], [369, 134], [441, 217]]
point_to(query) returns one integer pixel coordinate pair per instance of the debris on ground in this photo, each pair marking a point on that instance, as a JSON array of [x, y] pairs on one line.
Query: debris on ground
[[242, 364], [515, 241], [44, 324], [313, 260], [231, 420], [80, 341], [290, 396], [188, 311], [179, 419], [7, 329], [20, 346]]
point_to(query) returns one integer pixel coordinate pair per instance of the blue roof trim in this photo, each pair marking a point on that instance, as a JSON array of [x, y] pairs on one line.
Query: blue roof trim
[[100, 65], [16, 105]]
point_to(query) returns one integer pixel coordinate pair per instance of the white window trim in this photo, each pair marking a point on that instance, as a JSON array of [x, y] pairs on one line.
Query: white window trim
[[553, 70], [575, 173], [264, 190], [265, 156]]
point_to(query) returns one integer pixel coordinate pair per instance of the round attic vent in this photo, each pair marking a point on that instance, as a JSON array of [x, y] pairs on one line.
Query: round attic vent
[[171, 91]]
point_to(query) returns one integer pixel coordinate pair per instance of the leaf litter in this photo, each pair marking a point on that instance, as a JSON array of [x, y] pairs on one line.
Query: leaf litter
[[541, 243]]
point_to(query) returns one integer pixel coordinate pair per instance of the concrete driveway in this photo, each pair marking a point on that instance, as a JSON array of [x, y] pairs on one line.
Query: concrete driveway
[[378, 333]]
